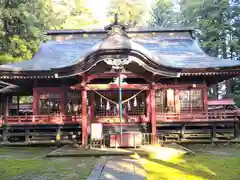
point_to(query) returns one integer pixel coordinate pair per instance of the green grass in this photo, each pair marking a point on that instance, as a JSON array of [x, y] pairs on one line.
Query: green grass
[[203, 166], [29, 163], [24, 152]]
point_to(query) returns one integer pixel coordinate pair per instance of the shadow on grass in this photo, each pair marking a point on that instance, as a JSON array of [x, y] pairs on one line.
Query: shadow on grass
[[27, 163]]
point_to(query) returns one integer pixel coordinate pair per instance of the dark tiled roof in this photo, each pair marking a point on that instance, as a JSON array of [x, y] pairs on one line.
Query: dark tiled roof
[[176, 50], [129, 31]]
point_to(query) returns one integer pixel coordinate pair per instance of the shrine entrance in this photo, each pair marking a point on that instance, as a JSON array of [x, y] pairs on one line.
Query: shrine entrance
[[106, 106]]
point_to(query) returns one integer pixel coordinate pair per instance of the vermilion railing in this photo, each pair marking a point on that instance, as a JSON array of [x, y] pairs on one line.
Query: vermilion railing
[[164, 117], [43, 119], [196, 116]]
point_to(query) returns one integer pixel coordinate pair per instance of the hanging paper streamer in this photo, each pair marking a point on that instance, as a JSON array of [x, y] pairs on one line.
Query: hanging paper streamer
[[117, 107], [135, 102], [108, 106], [101, 102], [129, 106]]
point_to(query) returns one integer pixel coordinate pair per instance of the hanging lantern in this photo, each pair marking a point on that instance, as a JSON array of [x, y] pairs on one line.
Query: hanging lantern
[[101, 102], [108, 106], [129, 106], [135, 102]]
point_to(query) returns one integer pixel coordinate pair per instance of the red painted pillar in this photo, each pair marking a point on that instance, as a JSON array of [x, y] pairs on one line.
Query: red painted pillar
[[205, 99], [62, 103], [84, 117], [148, 103], [177, 101], [92, 108], [153, 114], [35, 101], [7, 106]]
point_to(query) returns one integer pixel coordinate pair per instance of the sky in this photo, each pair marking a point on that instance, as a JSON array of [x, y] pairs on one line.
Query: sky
[[98, 7]]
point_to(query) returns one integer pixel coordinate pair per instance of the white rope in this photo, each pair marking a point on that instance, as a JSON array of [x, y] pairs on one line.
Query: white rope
[[116, 103]]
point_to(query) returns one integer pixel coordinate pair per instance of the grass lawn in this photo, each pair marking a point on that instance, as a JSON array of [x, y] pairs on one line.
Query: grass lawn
[[213, 163], [27, 163]]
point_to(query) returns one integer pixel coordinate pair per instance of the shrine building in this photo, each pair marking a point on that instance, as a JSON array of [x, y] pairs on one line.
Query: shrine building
[[149, 81]]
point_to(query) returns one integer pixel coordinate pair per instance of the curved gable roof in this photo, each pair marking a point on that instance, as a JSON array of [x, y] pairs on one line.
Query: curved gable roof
[[174, 50]]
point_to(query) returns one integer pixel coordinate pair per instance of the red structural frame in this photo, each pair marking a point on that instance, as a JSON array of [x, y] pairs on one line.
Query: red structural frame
[[88, 110]]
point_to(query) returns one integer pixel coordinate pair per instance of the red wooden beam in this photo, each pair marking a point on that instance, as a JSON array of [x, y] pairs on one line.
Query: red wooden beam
[[50, 89], [153, 114], [116, 86], [91, 107], [148, 103], [62, 102], [113, 75], [205, 98], [92, 77], [7, 106], [84, 115], [177, 100], [35, 101], [179, 86]]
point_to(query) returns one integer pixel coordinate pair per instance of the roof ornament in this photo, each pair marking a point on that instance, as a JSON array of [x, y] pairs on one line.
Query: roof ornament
[[116, 27], [117, 63]]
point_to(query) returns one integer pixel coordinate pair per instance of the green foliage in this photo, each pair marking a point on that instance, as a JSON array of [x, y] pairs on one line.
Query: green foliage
[[21, 25], [163, 15], [217, 34], [73, 14], [217, 30], [131, 13], [212, 19], [235, 83], [22, 99]]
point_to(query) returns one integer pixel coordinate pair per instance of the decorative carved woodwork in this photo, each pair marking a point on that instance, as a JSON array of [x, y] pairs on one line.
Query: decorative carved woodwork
[[117, 63]]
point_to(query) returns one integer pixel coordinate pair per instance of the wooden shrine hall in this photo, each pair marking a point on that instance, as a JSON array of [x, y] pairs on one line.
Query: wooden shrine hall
[[146, 80]]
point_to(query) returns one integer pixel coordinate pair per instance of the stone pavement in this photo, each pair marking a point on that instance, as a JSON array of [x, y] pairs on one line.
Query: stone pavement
[[117, 168]]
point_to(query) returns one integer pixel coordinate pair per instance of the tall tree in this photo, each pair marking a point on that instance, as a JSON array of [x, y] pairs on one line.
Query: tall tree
[[21, 26], [73, 14], [216, 33], [165, 14], [132, 13]]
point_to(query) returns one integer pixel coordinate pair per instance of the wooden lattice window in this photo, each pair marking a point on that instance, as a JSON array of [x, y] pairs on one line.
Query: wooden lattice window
[[103, 107], [161, 101], [191, 100], [49, 103], [165, 101], [73, 103]]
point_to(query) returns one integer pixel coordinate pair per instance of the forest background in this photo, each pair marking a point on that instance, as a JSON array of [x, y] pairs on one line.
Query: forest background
[[216, 24]]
